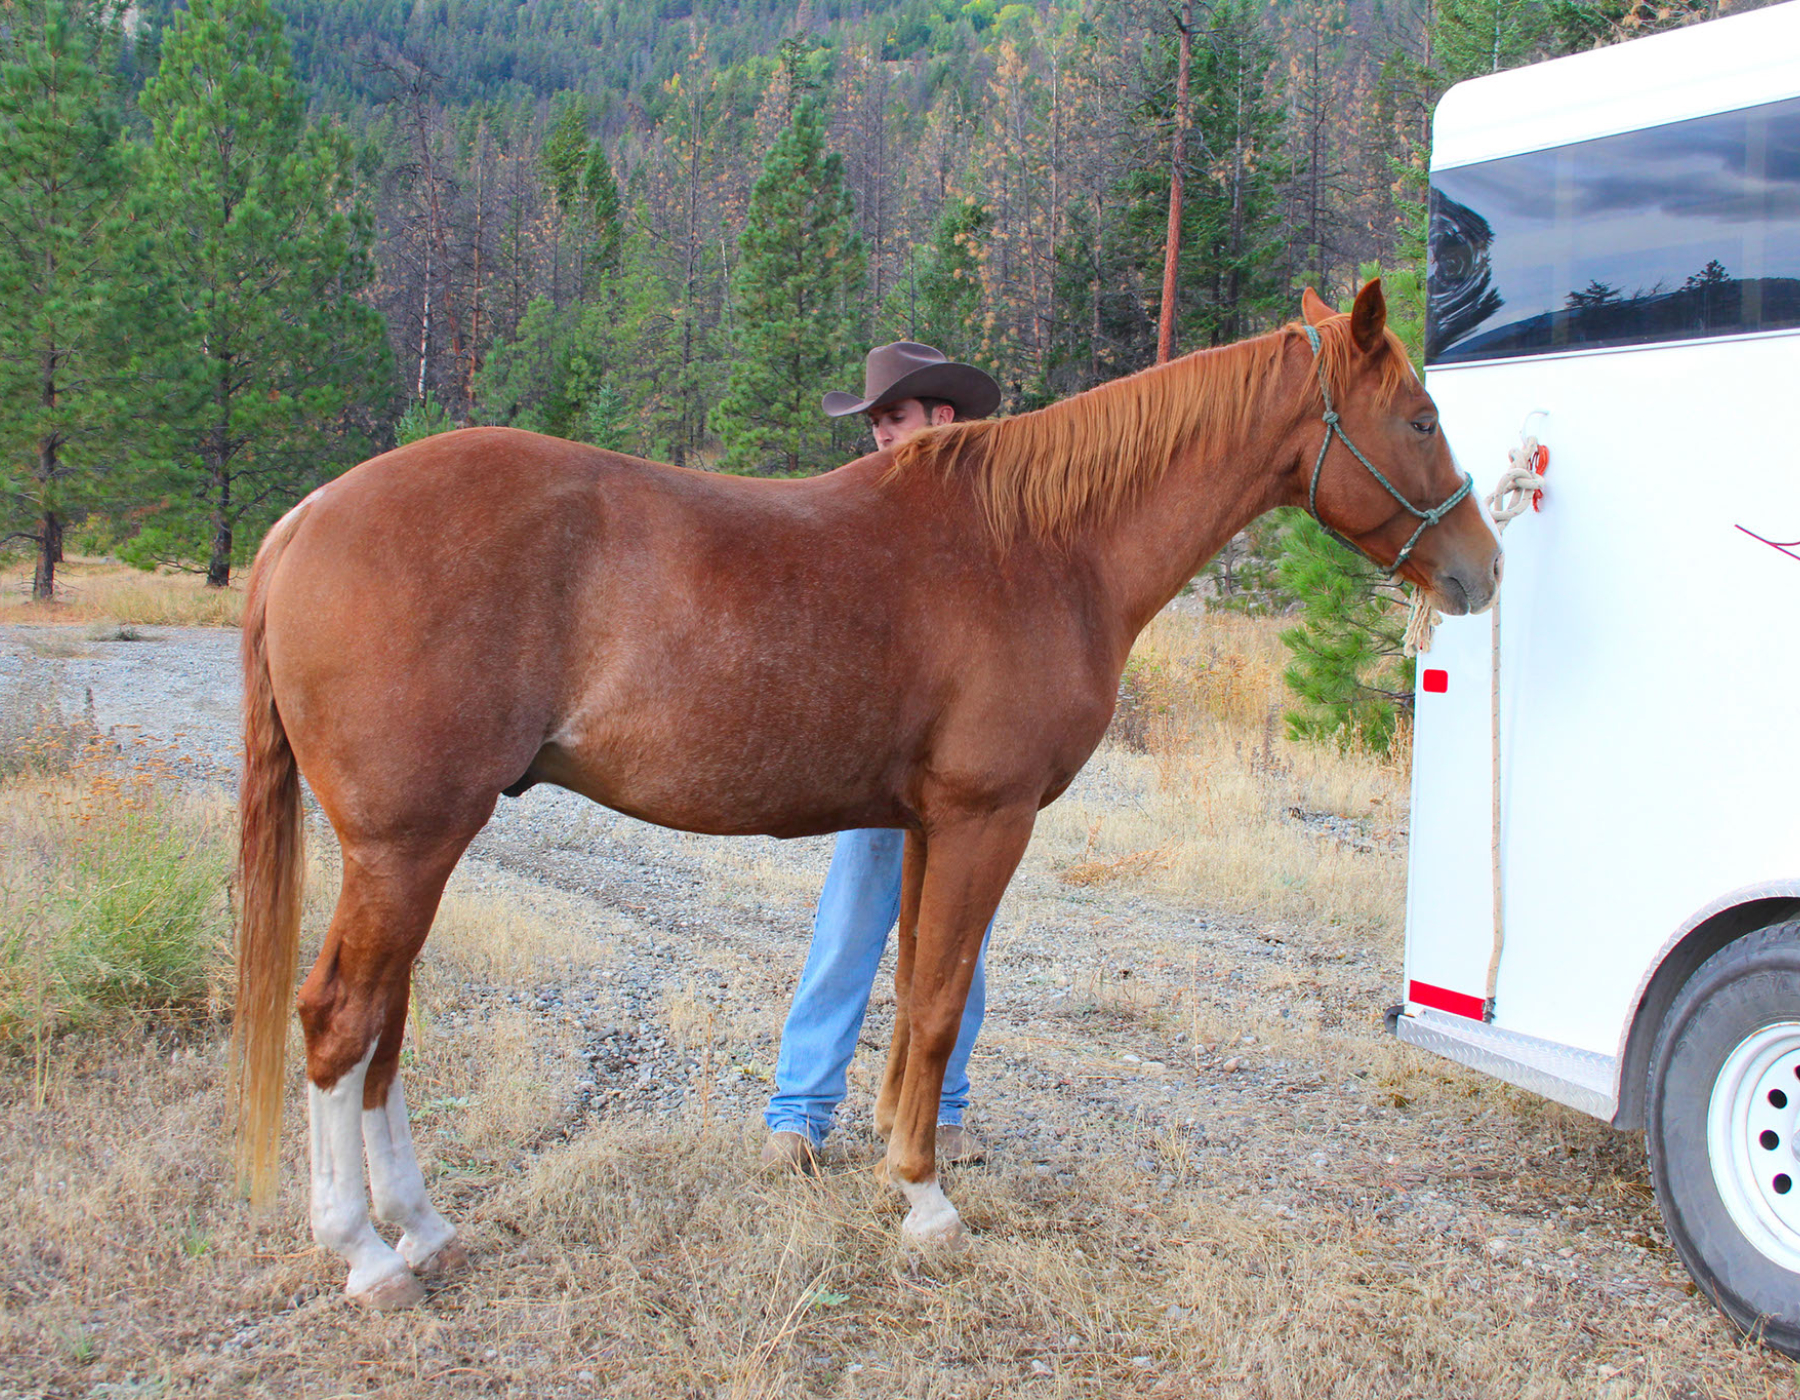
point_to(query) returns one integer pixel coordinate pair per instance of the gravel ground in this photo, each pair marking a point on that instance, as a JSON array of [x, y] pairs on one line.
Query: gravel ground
[[1200, 1050]]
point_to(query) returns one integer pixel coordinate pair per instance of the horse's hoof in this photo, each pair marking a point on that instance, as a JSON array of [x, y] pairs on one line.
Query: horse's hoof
[[393, 1292], [452, 1258], [932, 1221], [943, 1237]]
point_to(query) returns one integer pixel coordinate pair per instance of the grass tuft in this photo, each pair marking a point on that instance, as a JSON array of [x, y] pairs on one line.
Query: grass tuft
[[112, 900]]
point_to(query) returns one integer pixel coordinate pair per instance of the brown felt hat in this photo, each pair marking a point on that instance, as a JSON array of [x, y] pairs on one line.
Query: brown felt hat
[[908, 370]]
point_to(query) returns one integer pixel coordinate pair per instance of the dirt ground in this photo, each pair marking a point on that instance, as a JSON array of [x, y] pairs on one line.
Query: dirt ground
[[1210, 1171]]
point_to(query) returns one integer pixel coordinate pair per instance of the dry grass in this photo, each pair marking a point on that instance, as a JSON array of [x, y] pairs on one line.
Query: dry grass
[[1203, 797], [650, 1261], [1459, 1240], [99, 593]]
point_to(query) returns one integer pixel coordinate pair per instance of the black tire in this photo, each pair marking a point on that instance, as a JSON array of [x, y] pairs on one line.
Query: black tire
[[1723, 1132]]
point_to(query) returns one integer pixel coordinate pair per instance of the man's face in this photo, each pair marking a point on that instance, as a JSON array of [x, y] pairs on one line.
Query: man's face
[[893, 423]]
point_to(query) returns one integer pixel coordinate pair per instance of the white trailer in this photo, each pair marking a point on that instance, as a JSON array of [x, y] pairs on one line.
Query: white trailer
[[1604, 905]]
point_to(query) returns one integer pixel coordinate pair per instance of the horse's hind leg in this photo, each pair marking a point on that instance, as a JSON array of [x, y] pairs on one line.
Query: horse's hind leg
[[353, 1010], [396, 1185], [912, 880]]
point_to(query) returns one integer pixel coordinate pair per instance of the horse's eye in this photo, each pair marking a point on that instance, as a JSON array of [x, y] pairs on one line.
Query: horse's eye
[[1425, 427]]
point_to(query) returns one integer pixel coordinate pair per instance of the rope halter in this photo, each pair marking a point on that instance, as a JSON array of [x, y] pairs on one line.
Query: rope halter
[[1333, 428]]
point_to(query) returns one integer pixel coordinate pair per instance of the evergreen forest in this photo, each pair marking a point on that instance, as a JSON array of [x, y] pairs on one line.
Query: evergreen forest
[[246, 243]]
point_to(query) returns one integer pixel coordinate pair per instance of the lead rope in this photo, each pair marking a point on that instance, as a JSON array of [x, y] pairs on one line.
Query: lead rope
[[1520, 486]]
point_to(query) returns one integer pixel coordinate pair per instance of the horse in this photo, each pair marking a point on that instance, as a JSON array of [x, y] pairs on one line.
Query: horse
[[928, 638]]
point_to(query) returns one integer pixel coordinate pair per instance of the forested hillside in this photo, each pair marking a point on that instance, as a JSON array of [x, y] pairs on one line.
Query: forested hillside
[[246, 245]]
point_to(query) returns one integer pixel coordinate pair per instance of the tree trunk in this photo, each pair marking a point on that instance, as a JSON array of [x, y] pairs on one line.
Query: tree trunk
[[218, 567], [425, 323], [43, 583], [218, 451], [1165, 329], [50, 538], [1094, 309]]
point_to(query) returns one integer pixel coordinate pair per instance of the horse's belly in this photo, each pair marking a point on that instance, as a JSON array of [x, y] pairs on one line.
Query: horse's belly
[[724, 785]]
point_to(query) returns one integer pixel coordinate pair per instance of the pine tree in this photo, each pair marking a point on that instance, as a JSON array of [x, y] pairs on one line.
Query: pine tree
[[1472, 37], [799, 278], [521, 383], [605, 218], [565, 158], [64, 283], [1232, 277], [1347, 676], [272, 343], [1236, 236], [946, 291]]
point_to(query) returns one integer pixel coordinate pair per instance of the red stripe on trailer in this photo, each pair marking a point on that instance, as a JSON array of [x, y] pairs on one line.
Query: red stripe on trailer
[[1442, 999], [1435, 681]]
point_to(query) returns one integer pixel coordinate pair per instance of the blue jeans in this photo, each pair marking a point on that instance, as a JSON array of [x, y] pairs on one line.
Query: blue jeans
[[858, 908]]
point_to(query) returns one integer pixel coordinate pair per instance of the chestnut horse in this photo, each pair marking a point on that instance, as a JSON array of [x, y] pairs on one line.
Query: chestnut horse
[[929, 638]]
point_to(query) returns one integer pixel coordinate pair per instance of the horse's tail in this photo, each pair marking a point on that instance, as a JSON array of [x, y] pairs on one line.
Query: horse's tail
[[271, 870]]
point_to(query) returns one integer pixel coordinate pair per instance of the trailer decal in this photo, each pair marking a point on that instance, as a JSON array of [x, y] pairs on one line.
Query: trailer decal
[[1443, 999], [1786, 547]]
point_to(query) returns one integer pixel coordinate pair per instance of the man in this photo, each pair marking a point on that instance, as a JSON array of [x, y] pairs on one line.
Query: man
[[906, 387]]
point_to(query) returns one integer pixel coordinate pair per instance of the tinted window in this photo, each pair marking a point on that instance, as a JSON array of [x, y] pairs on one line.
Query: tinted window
[[1673, 233]]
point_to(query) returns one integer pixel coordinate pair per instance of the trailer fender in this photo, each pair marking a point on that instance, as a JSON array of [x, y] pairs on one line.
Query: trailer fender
[[1723, 921]]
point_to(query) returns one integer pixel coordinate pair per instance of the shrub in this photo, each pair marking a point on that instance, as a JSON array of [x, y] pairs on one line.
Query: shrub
[[112, 900]]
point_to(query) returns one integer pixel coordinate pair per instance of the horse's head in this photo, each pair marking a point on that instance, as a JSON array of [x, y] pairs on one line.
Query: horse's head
[[1375, 468]]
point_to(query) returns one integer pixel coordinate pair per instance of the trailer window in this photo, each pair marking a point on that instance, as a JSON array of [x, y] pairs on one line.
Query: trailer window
[[1675, 232]]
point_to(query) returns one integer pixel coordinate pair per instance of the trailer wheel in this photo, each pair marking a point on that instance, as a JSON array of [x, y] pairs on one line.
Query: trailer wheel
[[1724, 1131]]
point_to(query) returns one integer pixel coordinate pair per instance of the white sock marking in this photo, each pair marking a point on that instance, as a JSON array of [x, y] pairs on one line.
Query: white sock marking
[[932, 1219], [340, 1210], [397, 1185]]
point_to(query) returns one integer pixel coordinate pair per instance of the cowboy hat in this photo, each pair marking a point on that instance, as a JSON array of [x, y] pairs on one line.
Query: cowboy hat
[[908, 370]]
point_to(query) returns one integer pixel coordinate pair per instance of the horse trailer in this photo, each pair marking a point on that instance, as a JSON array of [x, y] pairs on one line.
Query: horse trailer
[[1603, 899]]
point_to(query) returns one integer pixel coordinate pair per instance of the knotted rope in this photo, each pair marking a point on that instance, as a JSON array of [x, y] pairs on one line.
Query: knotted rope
[[1520, 486]]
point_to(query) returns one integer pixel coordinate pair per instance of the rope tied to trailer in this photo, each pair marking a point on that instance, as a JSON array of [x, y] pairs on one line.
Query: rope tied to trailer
[[1520, 486]]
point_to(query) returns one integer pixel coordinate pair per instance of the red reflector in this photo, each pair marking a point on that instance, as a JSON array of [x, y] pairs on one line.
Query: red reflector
[[1437, 682], [1440, 999]]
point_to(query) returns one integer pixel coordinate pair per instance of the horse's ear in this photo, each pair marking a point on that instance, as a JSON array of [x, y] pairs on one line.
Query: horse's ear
[[1314, 307], [1368, 319]]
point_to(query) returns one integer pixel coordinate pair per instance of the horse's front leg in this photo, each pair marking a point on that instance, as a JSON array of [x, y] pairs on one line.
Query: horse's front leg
[[912, 879], [967, 866]]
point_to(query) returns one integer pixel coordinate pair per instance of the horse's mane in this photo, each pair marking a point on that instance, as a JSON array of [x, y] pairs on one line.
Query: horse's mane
[[1079, 463]]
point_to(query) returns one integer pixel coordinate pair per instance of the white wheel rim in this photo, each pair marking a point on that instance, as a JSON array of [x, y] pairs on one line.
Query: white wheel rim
[[1753, 1140]]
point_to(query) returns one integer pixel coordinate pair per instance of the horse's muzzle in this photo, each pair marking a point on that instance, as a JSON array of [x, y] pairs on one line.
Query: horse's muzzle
[[1468, 588]]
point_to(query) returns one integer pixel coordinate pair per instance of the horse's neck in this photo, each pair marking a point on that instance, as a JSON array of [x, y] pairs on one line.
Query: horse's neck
[[1151, 552]]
